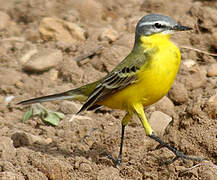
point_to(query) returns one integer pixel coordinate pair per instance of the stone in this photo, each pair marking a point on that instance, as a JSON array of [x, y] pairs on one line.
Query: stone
[[195, 80], [28, 55], [90, 11], [212, 70], [108, 173], [43, 60], [108, 34], [191, 65], [10, 74], [54, 168], [126, 40], [53, 74], [14, 29], [7, 150], [113, 55], [7, 166], [85, 167], [159, 121], [207, 15], [153, 5], [213, 99], [24, 139], [7, 175], [39, 139], [69, 71], [4, 20], [209, 174], [32, 35], [210, 16], [214, 39], [82, 164], [166, 106], [178, 93], [60, 30], [20, 139], [8, 99], [120, 24], [212, 105]]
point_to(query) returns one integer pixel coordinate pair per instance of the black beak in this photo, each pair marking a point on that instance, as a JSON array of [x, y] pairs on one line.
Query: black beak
[[179, 27]]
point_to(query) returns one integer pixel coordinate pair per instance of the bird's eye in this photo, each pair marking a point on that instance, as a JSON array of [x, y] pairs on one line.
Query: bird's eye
[[157, 25]]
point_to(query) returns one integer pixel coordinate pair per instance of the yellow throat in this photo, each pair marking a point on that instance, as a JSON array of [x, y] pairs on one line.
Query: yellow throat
[[160, 74]]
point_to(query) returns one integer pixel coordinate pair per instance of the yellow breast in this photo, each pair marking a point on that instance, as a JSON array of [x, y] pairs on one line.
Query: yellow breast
[[155, 78]]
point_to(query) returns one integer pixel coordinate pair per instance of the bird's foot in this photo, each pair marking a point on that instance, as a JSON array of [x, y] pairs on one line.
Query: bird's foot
[[117, 162], [178, 154], [183, 157]]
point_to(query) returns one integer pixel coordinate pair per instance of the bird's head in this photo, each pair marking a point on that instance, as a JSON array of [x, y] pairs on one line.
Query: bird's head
[[156, 23], [153, 24]]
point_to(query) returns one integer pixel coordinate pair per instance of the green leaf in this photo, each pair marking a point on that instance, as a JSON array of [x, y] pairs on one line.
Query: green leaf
[[46, 115], [51, 118], [37, 110], [27, 115], [59, 114]]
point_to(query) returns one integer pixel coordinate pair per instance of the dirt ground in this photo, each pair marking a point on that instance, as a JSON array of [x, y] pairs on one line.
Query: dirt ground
[[39, 43]]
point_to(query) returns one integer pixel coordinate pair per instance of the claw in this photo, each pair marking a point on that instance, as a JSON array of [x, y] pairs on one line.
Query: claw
[[117, 162], [178, 154], [184, 157]]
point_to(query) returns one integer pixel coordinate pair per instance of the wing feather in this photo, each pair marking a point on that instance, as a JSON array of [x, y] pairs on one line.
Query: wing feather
[[122, 76], [110, 84]]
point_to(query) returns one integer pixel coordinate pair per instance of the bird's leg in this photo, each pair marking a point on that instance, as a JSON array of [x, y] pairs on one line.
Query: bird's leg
[[138, 108], [124, 122], [178, 154], [118, 161]]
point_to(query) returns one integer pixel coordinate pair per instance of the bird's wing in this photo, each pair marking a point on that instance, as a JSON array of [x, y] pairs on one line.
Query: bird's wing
[[122, 76], [109, 85]]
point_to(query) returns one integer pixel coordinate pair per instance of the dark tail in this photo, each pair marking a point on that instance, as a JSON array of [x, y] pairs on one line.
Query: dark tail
[[72, 94], [80, 94]]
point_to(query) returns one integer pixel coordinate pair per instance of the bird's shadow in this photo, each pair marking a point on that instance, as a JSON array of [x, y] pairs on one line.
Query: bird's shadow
[[98, 153]]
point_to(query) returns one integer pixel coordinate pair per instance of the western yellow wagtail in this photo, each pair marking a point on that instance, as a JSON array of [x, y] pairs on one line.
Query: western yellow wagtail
[[140, 80]]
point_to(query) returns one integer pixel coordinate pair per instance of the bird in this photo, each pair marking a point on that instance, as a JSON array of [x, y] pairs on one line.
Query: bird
[[140, 80]]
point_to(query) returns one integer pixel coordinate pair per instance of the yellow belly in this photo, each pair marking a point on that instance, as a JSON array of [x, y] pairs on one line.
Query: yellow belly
[[153, 81]]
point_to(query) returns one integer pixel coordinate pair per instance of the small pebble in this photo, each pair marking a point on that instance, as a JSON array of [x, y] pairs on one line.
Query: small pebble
[[43, 60], [7, 149], [178, 93], [166, 106], [4, 20], [85, 167], [109, 34], [28, 55], [24, 139], [57, 29], [8, 99], [212, 70], [109, 173], [159, 121], [189, 63]]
